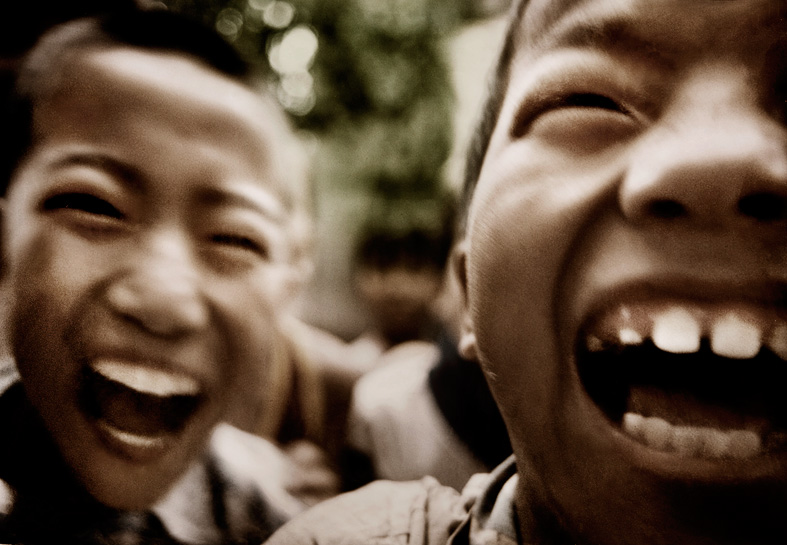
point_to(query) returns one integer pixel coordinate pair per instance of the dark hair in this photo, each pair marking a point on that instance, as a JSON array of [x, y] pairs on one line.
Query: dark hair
[[416, 249], [23, 22], [39, 73], [491, 108], [413, 234]]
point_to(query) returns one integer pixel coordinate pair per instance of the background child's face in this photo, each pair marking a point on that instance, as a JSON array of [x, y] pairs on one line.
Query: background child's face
[[146, 250], [400, 297], [632, 206]]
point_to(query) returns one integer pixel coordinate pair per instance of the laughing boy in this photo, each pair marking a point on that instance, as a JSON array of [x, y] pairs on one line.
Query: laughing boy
[[625, 274], [151, 224]]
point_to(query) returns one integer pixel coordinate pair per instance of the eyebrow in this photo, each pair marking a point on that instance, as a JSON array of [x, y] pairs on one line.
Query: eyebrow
[[604, 33], [127, 175], [265, 204]]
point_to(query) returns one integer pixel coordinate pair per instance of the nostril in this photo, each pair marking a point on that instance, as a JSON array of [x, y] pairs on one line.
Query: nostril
[[666, 209], [765, 207]]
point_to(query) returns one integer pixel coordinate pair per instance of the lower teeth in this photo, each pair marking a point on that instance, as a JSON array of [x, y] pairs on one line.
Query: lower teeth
[[132, 439], [691, 441]]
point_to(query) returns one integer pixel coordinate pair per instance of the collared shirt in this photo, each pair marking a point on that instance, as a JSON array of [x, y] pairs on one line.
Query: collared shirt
[[489, 500], [413, 513], [231, 495]]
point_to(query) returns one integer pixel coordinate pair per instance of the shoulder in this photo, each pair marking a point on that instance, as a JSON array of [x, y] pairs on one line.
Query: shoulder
[[403, 513], [420, 354], [400, 372], [252, 464], [235, 493], [8, 373]]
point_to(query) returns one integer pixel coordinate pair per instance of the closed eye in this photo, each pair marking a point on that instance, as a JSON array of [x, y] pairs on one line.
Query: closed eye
[[579, 103], [579, 124], [83, 202], [240, 242], [589, 100]]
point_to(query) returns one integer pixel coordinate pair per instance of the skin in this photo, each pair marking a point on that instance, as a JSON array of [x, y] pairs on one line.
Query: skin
[[568, 216], [174, 250]]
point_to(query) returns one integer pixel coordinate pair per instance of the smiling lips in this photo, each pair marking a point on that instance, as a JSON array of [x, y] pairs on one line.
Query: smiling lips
[[137, 407], [695, 379]]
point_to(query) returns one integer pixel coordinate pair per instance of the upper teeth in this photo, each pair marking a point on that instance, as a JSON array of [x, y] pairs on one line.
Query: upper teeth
[[778, 341], [676, 331], [679, 330], [147, 380], [733, 337], [629, 336]]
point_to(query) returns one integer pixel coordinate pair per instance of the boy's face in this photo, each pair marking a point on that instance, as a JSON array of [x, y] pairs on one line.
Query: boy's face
[[399, 297], [146, 249], [627, 267]]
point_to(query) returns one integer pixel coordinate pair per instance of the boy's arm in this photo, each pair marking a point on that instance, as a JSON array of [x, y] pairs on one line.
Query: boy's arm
[[382, 513]]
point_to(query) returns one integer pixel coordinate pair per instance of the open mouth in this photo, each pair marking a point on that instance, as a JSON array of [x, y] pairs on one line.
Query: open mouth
[[699, 381], [138, 406]]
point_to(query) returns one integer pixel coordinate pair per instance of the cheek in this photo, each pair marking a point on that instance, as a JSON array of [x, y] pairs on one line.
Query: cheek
[[46, 260], [49, 284], [524, 225], [510, 296], [43, 284], [248, 310], [249, 319]]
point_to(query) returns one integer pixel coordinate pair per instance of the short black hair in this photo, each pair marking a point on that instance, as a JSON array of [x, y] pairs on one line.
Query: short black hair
[[156, 30], [416, 234], [415, 249], [23, 23], [490, 111]]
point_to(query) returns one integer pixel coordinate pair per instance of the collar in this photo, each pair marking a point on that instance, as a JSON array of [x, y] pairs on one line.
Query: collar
[[186, 511], [488, 499], [214, 496], [494, 510]]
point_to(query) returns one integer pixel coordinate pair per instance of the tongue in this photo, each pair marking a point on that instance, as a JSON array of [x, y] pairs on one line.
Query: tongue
[[703, 389], [132, 411]]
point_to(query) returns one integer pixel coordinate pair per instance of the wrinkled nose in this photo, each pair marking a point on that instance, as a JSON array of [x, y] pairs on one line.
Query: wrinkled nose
[[715, 158], [159, 290]]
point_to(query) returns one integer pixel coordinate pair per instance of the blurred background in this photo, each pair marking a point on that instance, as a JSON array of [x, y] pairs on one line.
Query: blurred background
[[384, 93]]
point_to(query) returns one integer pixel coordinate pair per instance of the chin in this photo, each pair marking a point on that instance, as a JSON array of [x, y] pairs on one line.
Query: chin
[[120, 475]]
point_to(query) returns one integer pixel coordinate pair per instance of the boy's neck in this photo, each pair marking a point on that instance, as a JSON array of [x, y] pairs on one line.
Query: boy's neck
[[538, 523]]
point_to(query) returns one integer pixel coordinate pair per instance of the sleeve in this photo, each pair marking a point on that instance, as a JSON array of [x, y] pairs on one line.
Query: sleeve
[[386, 420], [382, 513], [6, 504], [359, 433]]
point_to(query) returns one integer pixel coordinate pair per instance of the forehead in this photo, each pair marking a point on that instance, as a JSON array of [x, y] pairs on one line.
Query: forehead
[[163, 86], [165, 74], [107, 97], [674, 28]]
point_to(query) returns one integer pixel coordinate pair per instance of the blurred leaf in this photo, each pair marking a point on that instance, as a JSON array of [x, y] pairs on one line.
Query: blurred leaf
[[376, 89]]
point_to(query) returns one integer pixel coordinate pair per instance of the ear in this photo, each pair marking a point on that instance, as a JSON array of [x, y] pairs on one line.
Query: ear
[[4, 288], [301, 265], [301, 270], [467, 340], [3, 206]]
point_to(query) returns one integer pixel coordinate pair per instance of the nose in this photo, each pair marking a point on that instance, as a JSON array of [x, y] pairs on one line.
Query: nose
[[159, 290], [715, 157]]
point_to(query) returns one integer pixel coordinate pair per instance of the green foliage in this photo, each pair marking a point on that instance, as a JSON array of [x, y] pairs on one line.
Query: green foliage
[[367, 76]]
